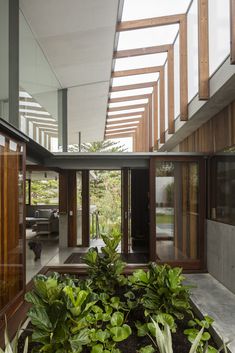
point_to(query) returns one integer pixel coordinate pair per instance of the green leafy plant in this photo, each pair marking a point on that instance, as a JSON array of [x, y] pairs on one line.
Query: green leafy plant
[[58, 314], [105, 268], [163, 290], [13, 348], [163, 340], [192, 333], [68, 315]]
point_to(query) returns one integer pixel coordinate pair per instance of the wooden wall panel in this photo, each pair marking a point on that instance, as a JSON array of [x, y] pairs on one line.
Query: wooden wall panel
[[216, 135], [12, 240]]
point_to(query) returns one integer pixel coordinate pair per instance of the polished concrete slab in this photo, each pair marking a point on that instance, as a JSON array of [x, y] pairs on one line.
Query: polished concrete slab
[[215, 300]]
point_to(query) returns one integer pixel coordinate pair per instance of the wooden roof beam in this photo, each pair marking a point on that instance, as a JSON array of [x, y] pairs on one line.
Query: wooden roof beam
[[149, 22], [142, 71], [142, 51]]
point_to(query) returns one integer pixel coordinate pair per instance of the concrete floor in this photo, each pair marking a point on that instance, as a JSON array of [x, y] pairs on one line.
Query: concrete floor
[[213, 299]]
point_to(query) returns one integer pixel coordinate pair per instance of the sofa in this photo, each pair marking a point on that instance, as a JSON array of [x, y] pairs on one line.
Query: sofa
[[47, 223]]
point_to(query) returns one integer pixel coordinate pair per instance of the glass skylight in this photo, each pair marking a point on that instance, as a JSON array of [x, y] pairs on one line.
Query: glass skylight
[[137, 62], [24, 94], [132, 92], [147, 37], [121, 124], [30, 104], [44, 124], [129, 80], [119, 133], [37, 112], [124, 118], [138, 9], [38, 118], [121, 128], [137, 110], [128, 103]]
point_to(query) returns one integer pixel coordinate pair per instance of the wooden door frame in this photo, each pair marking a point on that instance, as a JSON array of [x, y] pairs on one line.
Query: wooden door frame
[[200, 263], [125, 209]]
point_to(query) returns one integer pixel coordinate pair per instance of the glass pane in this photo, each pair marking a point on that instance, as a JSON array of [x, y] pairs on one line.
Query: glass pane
[[177, 213], [105, 204], [224, 203], [11, 215], [137, 62], [44, 188], [38, 91], [130, 80], [79, 208], [4, 49], [132, 92], [128, 103], [147, 37], [219, 32], [137, 9]]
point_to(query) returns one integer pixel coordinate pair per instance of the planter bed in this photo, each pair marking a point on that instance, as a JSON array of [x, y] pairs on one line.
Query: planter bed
[[108, 312]]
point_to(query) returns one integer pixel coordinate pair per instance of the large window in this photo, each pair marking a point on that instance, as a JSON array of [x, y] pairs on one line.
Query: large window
[[38, 91], [42, 188], [223, 189]]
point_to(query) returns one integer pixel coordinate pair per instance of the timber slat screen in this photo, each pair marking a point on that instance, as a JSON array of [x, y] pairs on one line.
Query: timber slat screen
[[11, 220]]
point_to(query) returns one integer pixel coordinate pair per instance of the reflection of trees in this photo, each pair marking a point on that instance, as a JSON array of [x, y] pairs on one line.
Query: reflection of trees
[[164, 169]]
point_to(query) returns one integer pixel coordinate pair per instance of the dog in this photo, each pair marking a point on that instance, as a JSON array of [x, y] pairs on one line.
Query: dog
[[36, 247]]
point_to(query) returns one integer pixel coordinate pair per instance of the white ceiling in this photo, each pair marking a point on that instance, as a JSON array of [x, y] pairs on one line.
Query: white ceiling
[[77, 37]]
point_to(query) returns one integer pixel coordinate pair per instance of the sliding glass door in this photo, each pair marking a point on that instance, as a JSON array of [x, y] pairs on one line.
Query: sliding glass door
[[178, 210]]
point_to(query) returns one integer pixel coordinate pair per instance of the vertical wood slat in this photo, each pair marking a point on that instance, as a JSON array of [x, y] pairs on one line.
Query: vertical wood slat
[[162, 106], [203, 49], [151, 144], [183, 69], [232, 32], [155, 114], [171, 96], [125, 210], [85, 208], [72, 209]]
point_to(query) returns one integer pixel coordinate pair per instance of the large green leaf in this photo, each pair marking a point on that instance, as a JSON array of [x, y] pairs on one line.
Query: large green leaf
[[120, 333], [117, 319], [40, 319], [80, 339]]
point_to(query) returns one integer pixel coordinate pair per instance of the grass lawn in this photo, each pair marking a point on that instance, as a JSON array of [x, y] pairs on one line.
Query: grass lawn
[[164, 219]]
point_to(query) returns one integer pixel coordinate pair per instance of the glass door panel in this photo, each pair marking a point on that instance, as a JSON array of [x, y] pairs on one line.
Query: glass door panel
[[177, 210]]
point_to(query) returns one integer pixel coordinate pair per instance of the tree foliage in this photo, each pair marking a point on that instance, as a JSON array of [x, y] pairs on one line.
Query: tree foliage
[[98, 146]]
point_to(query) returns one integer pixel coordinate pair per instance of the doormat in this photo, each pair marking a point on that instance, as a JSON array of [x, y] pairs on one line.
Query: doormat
[[133, 258]]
